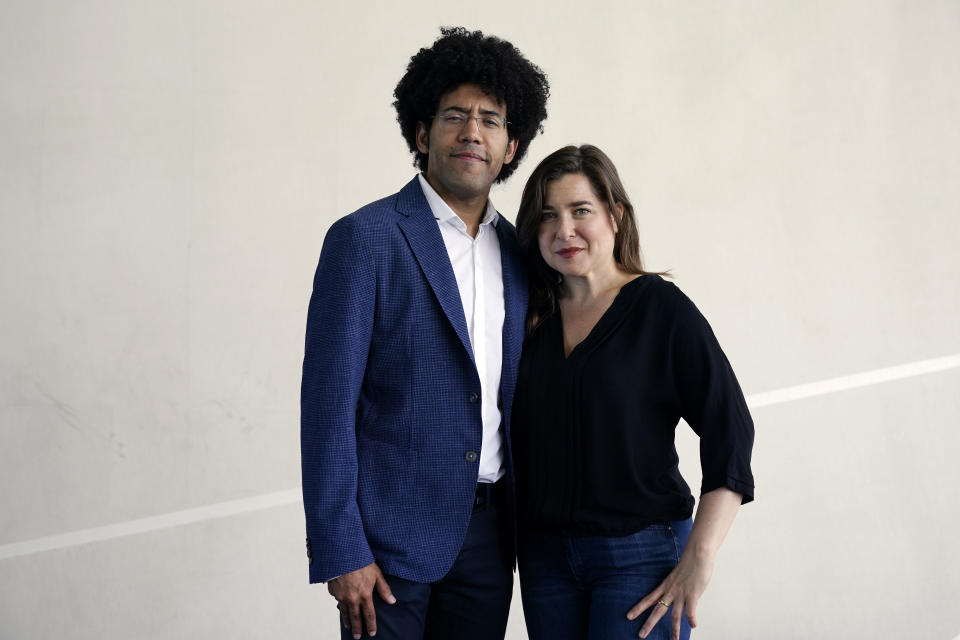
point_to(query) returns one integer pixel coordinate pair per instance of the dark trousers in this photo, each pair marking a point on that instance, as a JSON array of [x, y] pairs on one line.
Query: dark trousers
[[471, 602]]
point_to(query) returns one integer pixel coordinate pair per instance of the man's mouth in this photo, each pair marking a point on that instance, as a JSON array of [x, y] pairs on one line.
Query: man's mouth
[[469, 156]]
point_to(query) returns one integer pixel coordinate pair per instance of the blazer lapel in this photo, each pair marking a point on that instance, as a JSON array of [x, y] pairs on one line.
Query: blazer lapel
[[514, 291], [423, 235]]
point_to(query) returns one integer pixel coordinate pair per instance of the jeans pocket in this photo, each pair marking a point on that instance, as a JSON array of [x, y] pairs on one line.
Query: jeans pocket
[[680, 533], [653, 547]]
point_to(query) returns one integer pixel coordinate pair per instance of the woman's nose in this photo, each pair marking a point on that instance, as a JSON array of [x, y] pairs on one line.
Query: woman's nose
[[565, 229]]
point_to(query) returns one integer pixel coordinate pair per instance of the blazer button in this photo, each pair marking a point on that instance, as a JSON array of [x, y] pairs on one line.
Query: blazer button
[[470, 456], [474, 398]]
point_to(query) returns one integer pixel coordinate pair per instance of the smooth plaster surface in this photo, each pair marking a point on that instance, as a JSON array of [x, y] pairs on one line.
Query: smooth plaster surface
[[168, 171]]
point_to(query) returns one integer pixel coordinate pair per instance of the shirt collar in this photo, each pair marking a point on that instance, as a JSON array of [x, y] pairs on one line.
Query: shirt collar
[[442, 211]]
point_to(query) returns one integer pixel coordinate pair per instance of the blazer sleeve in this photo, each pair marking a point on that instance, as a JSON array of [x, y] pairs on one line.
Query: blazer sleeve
[[339, 329]]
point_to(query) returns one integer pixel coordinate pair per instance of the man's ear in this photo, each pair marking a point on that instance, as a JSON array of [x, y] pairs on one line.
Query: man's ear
[[423, 138], [511, 150]]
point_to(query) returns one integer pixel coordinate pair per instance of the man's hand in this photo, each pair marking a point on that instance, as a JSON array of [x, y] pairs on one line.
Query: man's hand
[[354, 592]]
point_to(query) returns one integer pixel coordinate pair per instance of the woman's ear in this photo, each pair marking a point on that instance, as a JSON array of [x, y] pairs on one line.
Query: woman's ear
[[617, 217]]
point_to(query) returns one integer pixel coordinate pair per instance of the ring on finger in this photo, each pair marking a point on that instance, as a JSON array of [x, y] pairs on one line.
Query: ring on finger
[[663, 604]]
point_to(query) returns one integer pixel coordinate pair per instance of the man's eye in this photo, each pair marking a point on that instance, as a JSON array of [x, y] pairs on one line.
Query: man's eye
[[454, 119], [491, 123]]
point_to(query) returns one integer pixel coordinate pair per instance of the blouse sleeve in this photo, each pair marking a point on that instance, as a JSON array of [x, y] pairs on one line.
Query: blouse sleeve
[[712, 403]]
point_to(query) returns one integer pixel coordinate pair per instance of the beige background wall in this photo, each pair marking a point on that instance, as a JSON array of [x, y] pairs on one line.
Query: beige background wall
[[167, 173]]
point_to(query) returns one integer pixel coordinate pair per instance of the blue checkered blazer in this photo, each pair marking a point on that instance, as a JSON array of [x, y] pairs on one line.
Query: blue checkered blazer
[[388, 377]]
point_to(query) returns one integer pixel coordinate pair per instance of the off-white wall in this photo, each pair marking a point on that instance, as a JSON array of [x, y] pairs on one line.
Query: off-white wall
[[167, 173]]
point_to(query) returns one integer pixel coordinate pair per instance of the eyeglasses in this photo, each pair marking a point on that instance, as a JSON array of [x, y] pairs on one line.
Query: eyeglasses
[[487, 122]]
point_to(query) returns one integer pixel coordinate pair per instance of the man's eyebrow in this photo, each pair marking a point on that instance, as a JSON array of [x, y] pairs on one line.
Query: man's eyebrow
[[465, 111]]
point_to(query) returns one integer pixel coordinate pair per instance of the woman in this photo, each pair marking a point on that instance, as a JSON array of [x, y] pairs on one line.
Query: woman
[[614, 357]]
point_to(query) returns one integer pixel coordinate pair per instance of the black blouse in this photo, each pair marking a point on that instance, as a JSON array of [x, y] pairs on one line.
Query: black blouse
[[593, 433]]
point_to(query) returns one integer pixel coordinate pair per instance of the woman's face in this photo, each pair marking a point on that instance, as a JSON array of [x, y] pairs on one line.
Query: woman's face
[[577, 230]]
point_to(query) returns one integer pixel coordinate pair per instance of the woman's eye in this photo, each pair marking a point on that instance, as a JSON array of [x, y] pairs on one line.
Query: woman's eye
[[547, 215], [582, 212]]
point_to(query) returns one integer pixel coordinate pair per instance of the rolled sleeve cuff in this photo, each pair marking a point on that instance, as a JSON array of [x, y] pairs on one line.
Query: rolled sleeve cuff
[[743, 487]]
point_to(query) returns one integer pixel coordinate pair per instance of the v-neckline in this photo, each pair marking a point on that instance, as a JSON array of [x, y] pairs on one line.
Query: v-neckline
[[565, 357]]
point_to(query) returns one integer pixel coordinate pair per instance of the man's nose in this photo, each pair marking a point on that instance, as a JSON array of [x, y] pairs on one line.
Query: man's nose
[[470, 129]]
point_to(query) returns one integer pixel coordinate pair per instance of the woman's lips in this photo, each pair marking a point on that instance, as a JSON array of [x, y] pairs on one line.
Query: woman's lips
[[569, 253]]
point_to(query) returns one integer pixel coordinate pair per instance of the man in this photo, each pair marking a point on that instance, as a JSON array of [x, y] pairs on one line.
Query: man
[[413, 336]]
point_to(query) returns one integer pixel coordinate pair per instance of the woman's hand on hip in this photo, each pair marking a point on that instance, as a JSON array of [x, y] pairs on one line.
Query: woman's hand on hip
[[683, 587], [678, 593]]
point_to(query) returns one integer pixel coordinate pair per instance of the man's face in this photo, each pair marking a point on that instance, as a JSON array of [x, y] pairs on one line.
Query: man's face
[[467, 143]]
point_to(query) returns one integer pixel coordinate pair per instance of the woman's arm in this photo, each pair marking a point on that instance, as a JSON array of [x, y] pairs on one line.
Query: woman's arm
[[684, 585]]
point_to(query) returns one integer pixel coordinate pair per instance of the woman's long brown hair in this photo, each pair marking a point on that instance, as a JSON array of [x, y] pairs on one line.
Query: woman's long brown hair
[[589, 161]]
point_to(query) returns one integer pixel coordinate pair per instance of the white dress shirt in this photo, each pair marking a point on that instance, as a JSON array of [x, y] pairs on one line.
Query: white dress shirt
[[479, 273]]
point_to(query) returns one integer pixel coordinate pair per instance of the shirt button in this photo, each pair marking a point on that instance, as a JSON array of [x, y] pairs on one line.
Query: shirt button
[[470, 456], [474, 398]]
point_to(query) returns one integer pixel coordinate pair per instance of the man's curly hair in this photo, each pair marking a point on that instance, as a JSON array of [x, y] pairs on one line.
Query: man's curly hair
[[468, 57]]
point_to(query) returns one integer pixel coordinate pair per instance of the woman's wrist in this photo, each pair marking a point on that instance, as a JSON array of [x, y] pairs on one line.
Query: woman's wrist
[[702, 550]]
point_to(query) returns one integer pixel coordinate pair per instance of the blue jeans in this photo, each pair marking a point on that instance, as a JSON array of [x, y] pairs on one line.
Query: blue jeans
[[580, 588]]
